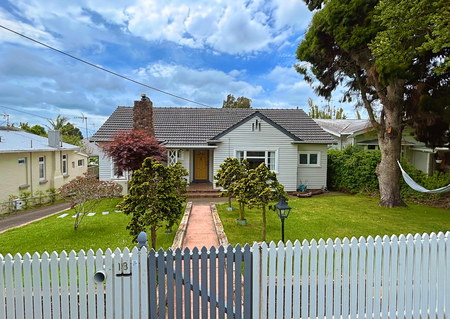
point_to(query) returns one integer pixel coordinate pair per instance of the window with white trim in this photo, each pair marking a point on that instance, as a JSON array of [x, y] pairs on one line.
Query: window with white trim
[[81, 162], [255, 158], [309, 158], [64, 164], [173, 156], [22, 161], [42, 168]]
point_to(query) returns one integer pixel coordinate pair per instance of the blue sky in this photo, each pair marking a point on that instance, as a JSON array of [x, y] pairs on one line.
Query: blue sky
[[200, 50]]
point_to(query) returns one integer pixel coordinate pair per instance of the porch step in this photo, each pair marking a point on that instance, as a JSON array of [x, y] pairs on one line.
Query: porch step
[[203, 195]]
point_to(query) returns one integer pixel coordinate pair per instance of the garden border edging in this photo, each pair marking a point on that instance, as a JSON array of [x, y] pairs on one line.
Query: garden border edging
[[181, 232]]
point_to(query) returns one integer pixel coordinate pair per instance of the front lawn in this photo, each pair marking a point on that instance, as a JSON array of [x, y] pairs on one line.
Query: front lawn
[[57, 234], [332, 216]]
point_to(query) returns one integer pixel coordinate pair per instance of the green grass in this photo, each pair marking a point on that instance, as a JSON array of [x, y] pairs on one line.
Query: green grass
[[57, 234], [334, 216]]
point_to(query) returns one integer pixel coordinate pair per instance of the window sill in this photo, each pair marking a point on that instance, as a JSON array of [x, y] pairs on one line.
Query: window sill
[[25, 186], [66, 175], [43, 181], [307, 165]]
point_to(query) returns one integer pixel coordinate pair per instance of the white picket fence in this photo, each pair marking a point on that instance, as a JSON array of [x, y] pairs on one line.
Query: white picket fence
[[63, 287], [397, 277], [405, 277]]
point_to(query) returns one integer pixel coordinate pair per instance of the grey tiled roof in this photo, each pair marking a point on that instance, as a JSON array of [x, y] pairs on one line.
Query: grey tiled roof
[[344, 127], [194, 126]]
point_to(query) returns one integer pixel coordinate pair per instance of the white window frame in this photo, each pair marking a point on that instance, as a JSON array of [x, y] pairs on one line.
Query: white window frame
[[266, 156], [64, 164], [22, 161], [114, 176], [82, 162], [173, 156], [309, 153], [42, 168]]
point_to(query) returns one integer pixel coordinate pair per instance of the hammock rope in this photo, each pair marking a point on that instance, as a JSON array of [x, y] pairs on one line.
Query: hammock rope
[[419, 188]]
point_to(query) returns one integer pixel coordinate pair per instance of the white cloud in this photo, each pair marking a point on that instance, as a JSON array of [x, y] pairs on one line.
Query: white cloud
[[204, 85]]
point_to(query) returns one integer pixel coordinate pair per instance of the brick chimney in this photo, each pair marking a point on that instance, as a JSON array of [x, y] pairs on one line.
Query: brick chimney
[[143, 116]]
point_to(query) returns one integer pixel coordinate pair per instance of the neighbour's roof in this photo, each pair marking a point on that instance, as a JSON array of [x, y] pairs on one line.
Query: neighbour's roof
[[14, 141], [195, 126], [344, 127]]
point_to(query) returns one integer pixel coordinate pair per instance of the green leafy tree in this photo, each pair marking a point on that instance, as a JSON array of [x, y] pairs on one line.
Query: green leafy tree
[[263, 188], [156, 197], [327, 112], [240, 188], [35, 129], [86, 193], [239, 103], [228, 173], [337, 49]]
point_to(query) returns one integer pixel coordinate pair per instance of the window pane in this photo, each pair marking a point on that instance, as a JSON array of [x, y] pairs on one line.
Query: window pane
[[256, 154], [271, 159], [313, 159], [303, 158], [254, 162], [240, 155], [41, 170]]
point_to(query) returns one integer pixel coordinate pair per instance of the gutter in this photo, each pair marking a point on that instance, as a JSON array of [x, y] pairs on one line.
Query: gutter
[[311, 142]]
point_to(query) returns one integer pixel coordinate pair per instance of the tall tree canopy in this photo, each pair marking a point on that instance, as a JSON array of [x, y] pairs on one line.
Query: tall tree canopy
[[327, 112], [239, 103], [129, 149], [156, 197], [341, 47]]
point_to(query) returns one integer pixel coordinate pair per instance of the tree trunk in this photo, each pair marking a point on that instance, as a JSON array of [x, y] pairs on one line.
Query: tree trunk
[[390, 142], [241, 211], [229, 201], [264, 223], [153, 237]]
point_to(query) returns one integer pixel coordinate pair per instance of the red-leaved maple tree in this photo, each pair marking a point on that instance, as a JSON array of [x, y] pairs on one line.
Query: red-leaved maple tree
[[129, 149]]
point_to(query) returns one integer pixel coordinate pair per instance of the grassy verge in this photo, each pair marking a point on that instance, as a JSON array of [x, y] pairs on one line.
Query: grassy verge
[[57, 234], [332, 216]]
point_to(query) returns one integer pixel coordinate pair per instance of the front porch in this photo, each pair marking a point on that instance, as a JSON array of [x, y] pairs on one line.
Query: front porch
[[200, 190]]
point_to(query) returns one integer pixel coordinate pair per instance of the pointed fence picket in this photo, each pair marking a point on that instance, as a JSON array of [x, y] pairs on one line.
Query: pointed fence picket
[[405, 277], [390, 277], [62, 286]]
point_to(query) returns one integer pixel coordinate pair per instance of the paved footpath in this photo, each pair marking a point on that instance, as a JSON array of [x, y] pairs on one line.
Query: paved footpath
[[23, 218], [200, 230]]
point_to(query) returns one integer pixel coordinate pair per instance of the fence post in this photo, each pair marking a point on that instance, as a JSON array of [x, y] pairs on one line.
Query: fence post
[[142, 240]]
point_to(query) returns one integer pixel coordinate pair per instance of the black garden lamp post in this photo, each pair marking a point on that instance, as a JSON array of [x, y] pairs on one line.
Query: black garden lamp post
[[283, 210]]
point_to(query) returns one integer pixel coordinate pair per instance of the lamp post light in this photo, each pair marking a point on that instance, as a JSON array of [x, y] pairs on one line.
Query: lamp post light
[[283, 210]]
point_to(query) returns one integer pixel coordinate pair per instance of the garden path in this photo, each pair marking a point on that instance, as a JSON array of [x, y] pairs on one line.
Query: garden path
[[200, 230]]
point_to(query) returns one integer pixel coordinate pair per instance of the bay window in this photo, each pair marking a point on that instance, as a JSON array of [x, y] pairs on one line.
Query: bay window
[[255, 158]]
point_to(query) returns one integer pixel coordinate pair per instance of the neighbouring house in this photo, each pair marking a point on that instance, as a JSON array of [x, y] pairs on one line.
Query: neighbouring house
[[31, 163], [361, 133], [287, 140]]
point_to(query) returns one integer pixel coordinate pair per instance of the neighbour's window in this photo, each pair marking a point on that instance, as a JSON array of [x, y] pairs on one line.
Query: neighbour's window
[[42, 168], [309, 158], [22, 161], [255, 158], [64, 164], [81, 162], [372, 147], [173, 156]]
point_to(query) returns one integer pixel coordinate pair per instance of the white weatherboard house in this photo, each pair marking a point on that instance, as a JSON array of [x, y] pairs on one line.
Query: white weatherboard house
[[287, 140], [33, 163]]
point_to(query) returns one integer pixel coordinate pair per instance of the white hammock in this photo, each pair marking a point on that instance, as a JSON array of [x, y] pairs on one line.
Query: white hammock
[[419, 188]]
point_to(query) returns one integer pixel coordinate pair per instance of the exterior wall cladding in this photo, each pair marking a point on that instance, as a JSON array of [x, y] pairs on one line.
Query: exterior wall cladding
[[143, 116]]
